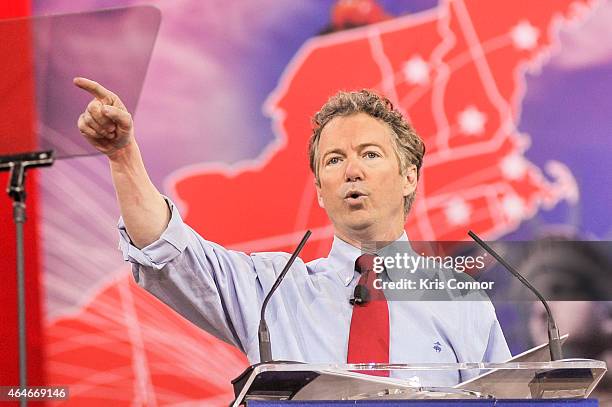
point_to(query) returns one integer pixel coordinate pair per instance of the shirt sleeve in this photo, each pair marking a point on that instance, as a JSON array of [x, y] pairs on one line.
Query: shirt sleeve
[[484, 340], [491, 343], [216, 289], [497, 348]]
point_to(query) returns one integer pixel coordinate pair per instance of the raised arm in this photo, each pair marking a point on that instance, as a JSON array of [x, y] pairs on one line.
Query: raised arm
[[108, 126]]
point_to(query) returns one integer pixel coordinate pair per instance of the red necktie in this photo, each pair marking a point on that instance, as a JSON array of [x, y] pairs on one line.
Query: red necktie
[[369, 334]]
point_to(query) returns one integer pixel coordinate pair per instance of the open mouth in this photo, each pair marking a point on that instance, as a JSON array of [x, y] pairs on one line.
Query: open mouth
[[355, 196]]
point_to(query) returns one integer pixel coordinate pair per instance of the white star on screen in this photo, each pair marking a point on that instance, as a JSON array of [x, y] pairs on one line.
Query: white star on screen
[[524, 35], [471, 121], [416, 70], [458, 212], [513, 166], [513, 207]]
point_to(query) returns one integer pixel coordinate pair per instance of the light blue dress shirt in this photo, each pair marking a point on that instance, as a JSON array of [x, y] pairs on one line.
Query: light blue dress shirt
[[221, 291]]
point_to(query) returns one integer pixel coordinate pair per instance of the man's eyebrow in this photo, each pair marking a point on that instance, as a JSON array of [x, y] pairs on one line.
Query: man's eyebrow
[[333, 151], [364, 145], [359, 147]]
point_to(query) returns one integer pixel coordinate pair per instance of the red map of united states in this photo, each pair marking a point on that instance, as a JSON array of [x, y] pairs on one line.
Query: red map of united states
[[456, 71]]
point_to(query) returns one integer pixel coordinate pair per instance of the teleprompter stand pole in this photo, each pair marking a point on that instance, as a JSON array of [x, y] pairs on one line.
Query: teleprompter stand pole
[[17, 166]]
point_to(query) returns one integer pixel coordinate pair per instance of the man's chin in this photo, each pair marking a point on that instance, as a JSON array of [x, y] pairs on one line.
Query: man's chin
[[359, 222]]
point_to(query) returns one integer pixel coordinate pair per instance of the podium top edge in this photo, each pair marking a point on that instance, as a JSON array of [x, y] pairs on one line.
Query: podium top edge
[[560, 364]]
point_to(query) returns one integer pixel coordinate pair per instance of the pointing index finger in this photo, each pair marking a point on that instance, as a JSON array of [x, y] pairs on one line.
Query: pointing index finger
[[93, 87]]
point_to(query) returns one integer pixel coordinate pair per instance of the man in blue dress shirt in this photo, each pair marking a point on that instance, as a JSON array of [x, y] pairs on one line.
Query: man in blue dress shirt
[[366, 160]]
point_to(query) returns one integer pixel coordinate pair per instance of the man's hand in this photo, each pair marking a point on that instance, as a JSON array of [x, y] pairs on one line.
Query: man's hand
[[108, 126], [106, 123]]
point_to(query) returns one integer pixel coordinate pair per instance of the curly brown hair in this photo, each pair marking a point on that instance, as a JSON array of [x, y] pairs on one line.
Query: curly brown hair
[[408, 146]]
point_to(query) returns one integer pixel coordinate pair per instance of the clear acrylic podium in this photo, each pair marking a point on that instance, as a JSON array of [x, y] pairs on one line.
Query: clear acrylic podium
[[572, 378]]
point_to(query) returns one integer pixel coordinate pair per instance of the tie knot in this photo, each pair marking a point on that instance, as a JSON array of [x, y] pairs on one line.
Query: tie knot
[[365, 263]]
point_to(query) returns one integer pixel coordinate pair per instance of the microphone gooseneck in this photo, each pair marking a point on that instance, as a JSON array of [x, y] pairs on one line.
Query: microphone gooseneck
[[554, 341], [265, 344]]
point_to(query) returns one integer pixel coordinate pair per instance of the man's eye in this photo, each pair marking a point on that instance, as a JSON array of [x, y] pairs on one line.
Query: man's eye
[[333, 160], [372, 154]]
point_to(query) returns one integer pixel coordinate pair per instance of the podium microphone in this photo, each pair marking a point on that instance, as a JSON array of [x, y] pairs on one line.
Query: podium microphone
[[554, 341], [265, 346]]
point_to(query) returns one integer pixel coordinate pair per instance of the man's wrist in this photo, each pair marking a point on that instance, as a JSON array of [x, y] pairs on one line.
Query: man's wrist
[[125, 155]]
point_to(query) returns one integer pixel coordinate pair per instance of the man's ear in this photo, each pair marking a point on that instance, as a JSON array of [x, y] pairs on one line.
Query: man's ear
[[319, 198], [410, 180]]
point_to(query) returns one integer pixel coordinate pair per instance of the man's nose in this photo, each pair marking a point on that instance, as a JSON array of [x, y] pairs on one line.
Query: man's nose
[[353, 171]]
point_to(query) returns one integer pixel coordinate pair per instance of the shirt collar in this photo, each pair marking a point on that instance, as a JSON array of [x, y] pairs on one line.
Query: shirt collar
[[343, 255]]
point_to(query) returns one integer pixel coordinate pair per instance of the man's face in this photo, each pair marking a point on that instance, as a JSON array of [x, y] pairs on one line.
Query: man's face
[[361, 187]]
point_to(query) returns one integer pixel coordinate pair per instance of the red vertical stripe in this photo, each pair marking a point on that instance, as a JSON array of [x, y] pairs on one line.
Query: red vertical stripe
[[16, 118]]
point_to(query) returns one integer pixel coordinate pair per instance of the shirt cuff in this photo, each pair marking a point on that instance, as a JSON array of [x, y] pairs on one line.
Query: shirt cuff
[[170, 244]]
